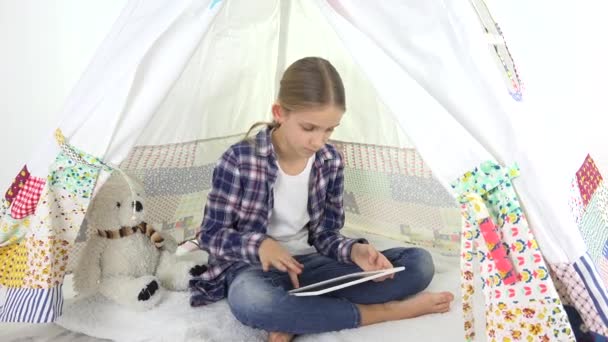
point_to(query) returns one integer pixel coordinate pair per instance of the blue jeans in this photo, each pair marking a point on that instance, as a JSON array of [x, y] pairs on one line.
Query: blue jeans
[[259, 299]]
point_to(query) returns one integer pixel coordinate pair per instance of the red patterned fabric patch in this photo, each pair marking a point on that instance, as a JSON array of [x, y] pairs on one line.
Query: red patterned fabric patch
[[588, 178], [17, 185], [26, 201]]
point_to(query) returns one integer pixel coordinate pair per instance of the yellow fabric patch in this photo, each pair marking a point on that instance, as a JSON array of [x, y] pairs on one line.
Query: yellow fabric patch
[[13, 264]]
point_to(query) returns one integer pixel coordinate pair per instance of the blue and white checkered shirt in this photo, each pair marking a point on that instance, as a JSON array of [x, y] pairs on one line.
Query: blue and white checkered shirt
[[239, 207]]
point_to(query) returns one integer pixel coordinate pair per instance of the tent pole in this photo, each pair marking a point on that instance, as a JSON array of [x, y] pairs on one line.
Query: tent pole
[[282, 48]]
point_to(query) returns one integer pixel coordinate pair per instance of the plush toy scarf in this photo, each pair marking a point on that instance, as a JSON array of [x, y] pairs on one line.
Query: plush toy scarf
[[156, 238]]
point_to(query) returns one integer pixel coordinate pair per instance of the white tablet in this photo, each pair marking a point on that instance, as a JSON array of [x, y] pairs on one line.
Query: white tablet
[[342, 282]]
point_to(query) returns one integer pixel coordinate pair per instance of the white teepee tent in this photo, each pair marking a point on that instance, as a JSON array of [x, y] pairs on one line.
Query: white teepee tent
[[175, 82]]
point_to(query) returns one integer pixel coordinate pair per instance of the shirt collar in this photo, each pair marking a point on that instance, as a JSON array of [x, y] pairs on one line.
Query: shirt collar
[[263, 146]]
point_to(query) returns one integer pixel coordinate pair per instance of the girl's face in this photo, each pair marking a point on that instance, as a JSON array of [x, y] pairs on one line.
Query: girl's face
[[306, 131]]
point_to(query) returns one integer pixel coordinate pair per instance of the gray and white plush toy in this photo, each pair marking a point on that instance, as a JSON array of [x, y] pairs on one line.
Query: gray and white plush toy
[[125, 259]]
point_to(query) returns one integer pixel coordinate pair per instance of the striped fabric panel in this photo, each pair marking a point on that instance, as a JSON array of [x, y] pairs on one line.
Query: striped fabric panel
[[22, 305], [586, 270]]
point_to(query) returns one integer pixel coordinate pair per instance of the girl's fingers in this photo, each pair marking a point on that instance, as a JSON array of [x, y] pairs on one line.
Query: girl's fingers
[[386, 264], [293, 261], [293, 265], [287, 266], [373, 258], [279, 266], [294, 280]]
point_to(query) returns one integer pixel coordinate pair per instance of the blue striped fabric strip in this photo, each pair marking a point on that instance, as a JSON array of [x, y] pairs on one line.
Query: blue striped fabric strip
[[30, 305], [594, 285]]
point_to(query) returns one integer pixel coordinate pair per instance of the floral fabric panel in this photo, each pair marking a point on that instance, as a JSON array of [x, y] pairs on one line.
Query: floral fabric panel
[[74, 176], [4, 208], [575, 202], [11, 230], [46, 262], [521, 300]]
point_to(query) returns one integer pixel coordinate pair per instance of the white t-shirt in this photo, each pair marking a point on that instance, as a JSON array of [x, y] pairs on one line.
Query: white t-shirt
[[290, 213]]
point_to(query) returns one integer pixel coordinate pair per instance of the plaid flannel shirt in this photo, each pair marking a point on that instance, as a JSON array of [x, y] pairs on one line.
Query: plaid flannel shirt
[[239, 207]]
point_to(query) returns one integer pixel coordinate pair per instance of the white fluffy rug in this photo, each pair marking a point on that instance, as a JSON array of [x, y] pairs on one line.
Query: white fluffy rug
[[175, 320]]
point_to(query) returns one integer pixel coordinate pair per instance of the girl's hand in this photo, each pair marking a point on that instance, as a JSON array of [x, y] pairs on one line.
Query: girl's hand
[[369, 259], [273, 254]]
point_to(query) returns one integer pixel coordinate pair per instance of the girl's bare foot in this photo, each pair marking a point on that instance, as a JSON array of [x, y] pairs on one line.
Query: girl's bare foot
[[279, 337], [421, 304]]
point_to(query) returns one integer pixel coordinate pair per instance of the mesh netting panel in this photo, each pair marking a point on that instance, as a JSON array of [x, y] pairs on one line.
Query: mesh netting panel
[[177, 179], [389, 191]]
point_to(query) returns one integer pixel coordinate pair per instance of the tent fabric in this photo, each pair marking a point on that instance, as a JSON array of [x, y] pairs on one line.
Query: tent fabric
[[175, 82], [477, 117]]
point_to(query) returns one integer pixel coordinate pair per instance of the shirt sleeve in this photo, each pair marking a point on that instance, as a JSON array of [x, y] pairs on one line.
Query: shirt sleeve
[[219, 235], [326, 237]]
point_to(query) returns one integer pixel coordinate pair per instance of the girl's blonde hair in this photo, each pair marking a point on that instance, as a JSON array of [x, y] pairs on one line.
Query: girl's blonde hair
[[308, 83]]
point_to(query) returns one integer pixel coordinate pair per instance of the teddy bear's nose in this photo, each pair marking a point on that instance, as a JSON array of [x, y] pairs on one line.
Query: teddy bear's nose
[[138, 206]]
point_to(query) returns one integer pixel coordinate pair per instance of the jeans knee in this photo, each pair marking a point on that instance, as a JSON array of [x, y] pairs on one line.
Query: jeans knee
[[426, 266], [419, 265], [244, 299], [254, 306]]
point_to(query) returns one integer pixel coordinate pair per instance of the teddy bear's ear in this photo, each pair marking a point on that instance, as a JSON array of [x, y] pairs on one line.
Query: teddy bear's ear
[[138, 186]]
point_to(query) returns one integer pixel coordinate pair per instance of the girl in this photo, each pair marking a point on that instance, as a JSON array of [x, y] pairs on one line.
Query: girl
[[278, 194]]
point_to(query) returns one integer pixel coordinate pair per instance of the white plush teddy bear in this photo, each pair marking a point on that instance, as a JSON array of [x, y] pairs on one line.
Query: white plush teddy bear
[[126, 260]]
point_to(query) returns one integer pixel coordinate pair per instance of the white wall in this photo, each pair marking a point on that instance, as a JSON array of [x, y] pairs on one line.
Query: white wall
[[44, 47]]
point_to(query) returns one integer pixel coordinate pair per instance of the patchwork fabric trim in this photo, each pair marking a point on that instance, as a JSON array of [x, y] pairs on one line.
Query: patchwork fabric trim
[[572, 288], [584, 282], [575, 202], [524, 321], [594, 226], [12, 272], [597, 292], [26, 200], [11, 231], [521, 301], [17, 184], [20, 202], [588, 178], [480, 182], [490, 233], [34, 249]]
